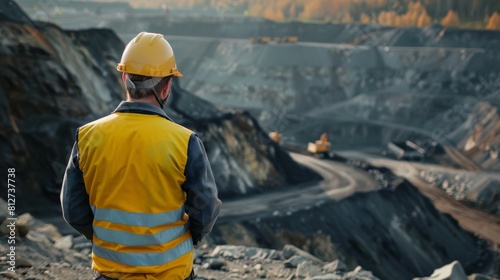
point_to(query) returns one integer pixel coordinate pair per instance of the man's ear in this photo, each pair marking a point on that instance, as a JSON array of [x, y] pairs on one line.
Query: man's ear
[[124, 77], [166, 89]]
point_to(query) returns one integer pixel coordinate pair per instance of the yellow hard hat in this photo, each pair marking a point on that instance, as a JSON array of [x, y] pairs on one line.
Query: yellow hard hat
[[149, 54]]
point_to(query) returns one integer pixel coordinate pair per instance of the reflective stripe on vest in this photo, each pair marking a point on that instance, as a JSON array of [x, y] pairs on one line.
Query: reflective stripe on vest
[[132, 239], [137, 219], [145, 259]]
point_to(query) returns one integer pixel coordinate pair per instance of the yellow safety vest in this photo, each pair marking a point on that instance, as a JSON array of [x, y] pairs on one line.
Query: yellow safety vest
[[133, 168]]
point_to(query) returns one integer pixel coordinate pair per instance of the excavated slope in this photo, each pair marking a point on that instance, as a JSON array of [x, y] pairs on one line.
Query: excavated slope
[[52, 81]]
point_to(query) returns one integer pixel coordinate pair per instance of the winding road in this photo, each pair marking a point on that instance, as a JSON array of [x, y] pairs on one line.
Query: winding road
[[339, 181]]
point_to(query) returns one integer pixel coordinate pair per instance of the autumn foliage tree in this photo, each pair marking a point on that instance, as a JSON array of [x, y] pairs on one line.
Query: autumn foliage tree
[[400, 13], [424, 20], [364, 18], [416, 15], [494, 22], [314, 9], [451, 19], [415, 10], [347, 18], [388, 18]]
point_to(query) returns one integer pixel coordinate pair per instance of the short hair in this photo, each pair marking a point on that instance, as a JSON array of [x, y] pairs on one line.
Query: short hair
[[138, 93]]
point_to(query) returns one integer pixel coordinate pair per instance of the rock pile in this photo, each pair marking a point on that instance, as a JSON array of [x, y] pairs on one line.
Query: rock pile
[[240, 262], [454, 271], [480, 190], [43, 253]]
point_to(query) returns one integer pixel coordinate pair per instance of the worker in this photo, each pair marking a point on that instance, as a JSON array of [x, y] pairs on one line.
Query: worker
[[138, 185]]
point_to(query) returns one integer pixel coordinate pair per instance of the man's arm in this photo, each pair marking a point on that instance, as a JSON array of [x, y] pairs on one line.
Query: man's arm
[[74, 198], [202, 204]]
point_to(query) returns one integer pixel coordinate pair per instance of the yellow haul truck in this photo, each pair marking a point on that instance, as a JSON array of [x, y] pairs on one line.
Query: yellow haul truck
[[321, 147]]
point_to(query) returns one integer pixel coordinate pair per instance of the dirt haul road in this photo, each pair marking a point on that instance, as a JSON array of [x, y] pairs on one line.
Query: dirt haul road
[[339, 181], [485, 225]]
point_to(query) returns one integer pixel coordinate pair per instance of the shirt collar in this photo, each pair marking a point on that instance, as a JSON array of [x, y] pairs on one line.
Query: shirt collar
[[141, 108]]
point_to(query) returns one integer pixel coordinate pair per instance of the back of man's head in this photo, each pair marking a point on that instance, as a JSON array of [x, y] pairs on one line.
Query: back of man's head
[[139, 87]]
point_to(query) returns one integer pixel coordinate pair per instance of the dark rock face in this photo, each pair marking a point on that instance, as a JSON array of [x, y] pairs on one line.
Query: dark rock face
[[50, 84], [52, 81], [397, 234], [12, 12]]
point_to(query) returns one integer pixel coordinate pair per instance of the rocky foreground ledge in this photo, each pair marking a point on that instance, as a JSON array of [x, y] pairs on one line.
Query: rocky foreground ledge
[[41, 252]]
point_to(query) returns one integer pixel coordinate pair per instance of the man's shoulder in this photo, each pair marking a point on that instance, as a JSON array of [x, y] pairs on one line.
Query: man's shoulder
[[178, 128], [98, 121]]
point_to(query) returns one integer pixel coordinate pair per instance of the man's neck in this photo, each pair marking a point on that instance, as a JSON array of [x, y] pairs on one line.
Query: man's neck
[[149, 100]]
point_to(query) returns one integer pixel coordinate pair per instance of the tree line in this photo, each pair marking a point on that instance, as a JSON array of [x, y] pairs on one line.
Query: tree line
[[481, 14]]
